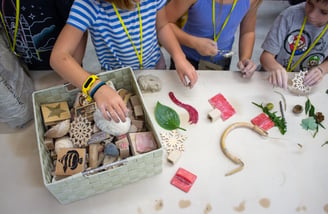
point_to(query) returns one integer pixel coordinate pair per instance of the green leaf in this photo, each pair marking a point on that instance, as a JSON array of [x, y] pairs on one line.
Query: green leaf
[[166, 117], [325, 143], [278, 121], [309, 124], [307, 106], [312, 111], [322, 125]]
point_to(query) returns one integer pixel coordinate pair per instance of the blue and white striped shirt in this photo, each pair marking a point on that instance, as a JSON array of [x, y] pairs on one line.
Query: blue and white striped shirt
[[113, 47]]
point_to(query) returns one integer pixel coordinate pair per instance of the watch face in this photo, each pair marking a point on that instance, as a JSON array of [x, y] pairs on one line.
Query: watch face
[[88, 82]]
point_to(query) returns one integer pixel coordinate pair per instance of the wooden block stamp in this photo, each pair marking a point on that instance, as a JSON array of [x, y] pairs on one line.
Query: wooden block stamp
[[134, 100], [139, 124], [86, 111], [70, 161], [142, 142], [174, 156], [138, 112], [55, 112], [49, 144], [123, 147]]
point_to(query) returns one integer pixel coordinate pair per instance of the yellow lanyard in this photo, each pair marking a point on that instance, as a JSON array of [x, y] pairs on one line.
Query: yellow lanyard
[[12, 46], [308, 50], [216, 37], [127, 33]]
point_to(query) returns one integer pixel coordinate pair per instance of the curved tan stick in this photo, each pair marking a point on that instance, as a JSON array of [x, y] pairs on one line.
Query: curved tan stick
[[227, 153]]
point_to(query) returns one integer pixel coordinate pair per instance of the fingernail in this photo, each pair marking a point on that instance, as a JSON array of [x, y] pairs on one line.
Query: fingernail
[[108, 115], [187, 81]]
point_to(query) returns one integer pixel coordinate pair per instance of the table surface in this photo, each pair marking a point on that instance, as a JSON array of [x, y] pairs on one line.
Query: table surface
[[279, 175]]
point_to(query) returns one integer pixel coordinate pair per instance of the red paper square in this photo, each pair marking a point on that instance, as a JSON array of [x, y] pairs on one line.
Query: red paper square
[[263, 121], [183, 179], [221, 103]]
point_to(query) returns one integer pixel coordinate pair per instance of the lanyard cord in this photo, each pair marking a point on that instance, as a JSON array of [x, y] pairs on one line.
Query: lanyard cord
[[308, 50], [216, 37], [12, 46], [127, 33], [296, 44]]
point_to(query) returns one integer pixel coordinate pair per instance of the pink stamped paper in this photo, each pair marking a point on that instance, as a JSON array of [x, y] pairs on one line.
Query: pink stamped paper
[[263, 121], [221, 103]]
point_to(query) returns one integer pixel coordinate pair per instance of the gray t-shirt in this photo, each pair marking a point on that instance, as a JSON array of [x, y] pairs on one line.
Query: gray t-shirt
[[283, 34]]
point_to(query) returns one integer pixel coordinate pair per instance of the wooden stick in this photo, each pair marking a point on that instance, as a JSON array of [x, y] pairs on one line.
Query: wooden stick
[[233, 158]]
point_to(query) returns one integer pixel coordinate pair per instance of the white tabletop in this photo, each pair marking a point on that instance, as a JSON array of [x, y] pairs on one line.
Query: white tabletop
[[279, 176]]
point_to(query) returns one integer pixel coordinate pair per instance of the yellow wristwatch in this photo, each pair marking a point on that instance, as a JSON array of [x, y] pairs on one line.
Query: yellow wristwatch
[[88, 84]]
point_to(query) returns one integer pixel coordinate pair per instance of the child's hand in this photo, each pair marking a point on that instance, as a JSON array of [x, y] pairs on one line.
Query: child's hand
[[206, 47], [111, 104], [314, 76], [247, 67], [279, 77], [186, 72]]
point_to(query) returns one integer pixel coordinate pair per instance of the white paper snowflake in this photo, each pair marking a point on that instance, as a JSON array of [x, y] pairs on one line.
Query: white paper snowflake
[[173, 140], [298, 83]]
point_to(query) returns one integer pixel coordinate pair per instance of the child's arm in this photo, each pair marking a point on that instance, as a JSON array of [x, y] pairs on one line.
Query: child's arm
[[278, 74], [204, 46], [247, 40], [80, 50], [167, 38], [63, 62], [176, 9], [316, 74]]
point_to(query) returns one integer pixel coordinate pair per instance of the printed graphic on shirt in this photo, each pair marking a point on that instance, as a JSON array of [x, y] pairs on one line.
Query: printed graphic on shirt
[[303, 43], [313, 58], [31, 39]]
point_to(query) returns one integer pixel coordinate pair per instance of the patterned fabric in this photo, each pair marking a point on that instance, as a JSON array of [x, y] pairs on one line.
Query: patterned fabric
[[113, 47]]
